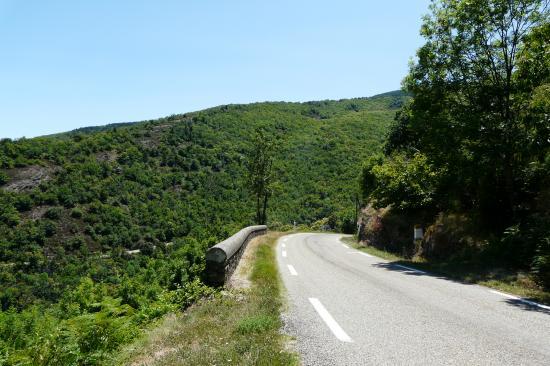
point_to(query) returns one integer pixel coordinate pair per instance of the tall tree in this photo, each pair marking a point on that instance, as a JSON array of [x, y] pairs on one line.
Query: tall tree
[[260, 172], [467, 113]]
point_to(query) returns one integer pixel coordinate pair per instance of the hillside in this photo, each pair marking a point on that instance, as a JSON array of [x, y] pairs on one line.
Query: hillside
[[75, 209]]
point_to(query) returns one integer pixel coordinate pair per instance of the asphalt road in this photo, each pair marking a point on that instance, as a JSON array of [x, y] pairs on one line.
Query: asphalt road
[[348, 308]]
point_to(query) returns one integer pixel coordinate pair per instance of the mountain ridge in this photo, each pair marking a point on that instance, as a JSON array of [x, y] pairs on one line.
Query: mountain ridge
[[94, 128]]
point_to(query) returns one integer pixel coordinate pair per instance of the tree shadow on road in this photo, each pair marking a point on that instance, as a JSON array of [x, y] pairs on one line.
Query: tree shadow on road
[[522, 303], [528, 306]]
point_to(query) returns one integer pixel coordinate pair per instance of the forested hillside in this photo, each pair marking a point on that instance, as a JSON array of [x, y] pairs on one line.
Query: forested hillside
[[104, 229]]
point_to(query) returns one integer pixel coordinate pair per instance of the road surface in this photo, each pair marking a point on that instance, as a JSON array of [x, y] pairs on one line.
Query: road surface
[[348, 308]]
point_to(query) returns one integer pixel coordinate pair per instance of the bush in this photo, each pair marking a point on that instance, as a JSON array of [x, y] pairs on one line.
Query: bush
[[23, 203], [541, 263], [76, 213], [190, 293], [75, 243], [322, 224], [49, 228], [8, 215], [53, 213], [344, 221], [3, 178], [406, 183]]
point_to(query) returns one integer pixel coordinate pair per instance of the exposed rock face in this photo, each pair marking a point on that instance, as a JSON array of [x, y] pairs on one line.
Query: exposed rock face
[[383, 229], [445, 235], [27, 178]]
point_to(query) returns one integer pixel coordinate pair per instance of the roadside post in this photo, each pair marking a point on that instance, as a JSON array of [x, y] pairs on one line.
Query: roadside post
[[418, 235]]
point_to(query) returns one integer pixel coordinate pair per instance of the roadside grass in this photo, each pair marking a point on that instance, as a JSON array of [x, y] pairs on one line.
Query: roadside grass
[[234, 327], [474, 272]]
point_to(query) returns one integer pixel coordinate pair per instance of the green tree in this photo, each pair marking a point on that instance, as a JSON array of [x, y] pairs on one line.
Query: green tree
[[405, 183], [467, 115], [260, 176], [3, 178]]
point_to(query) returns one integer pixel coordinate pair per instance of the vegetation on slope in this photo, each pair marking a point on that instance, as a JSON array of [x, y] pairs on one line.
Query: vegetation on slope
[[240, 327], [469, 157], [103, 230]]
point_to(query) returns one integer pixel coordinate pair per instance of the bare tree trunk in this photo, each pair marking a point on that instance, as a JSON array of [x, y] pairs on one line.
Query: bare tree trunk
[[264, 213], [258, 212]]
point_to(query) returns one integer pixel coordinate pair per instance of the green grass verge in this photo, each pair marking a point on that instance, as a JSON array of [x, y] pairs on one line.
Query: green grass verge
[[235, 327], [514, 282]]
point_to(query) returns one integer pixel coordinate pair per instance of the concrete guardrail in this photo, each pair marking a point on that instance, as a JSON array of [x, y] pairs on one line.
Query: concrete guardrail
[[222, 258]]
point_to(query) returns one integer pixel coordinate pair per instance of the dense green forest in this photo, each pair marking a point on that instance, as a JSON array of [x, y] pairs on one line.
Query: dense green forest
[[468, 158], [104, 229]]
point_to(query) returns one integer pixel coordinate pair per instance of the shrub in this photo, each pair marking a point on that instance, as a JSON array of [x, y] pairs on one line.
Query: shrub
[[77, 213], [23, 203], [343, 221], [53, 213], [190, 293], [322, 224], [541, 262], [3, 178], [75, 243], [8, 215], [49, 228], [406, 183]]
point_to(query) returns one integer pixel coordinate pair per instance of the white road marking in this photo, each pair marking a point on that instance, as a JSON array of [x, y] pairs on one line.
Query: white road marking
[[292, 270], [503, 294], [284, 253], [345, 246], [532, 303], [410, 269], [329, 321], [283, 245], [365, 254]]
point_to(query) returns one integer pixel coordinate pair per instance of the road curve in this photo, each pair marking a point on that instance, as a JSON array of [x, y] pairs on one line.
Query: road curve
[[348, 308]]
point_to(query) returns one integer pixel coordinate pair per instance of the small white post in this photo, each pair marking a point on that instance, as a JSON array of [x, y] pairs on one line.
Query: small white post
[[418, 232]]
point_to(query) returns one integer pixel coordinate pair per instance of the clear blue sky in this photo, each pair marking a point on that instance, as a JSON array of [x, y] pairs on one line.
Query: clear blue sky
[[66, 64]]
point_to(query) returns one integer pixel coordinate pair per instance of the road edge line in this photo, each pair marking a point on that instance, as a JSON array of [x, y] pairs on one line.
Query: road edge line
[[334, 327], [520, 299]]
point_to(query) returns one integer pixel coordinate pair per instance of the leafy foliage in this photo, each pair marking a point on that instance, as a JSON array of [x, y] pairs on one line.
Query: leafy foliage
[[475, 137], [406, 183], [260, 173]]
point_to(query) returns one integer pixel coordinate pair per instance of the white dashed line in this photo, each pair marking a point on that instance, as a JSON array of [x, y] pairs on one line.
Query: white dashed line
[[329, 321], [532, 303], [345, 246], [292, 270], [283, 245], [410, 269], [284, 253]]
